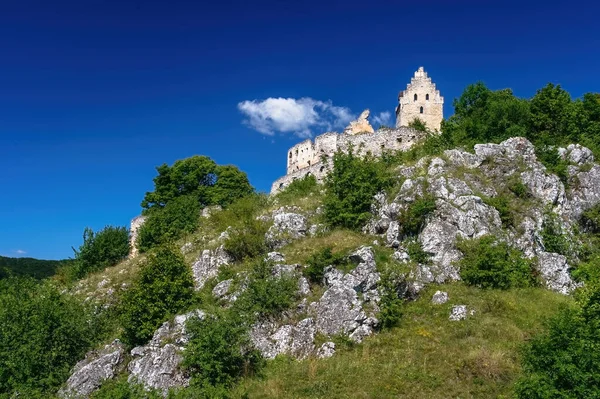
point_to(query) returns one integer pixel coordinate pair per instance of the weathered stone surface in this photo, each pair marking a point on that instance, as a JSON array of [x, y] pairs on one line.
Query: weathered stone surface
[[222, 288], [286, 228], [458, 312], [439, 298], [207, 265], [554, 271], [97, 367], [157, 364], [361, 125], [210, 210], [276, 257], [340, 311], [326, 350], [136, 224], [295, 340]]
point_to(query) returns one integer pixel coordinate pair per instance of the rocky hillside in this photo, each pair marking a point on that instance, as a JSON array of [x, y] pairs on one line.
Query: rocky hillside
[[382, 313]]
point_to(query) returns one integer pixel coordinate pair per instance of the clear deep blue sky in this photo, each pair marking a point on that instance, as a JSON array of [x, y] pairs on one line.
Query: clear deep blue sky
[[95, 94]]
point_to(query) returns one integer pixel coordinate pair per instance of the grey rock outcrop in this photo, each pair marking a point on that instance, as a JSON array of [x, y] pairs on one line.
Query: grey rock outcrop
[[295, 340], [439, 298], [97, 367], [157, 364], [222, 288], [554, 271], [326, 350], [460, 312], [287, 226], [207, 265]]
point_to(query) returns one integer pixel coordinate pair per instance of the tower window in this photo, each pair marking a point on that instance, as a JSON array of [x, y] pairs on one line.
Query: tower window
[[421, 110], [290, 155], [415, 97], [427, 97]]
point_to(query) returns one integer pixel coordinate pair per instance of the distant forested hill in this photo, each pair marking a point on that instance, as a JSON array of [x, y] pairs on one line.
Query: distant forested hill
[[37, 268]]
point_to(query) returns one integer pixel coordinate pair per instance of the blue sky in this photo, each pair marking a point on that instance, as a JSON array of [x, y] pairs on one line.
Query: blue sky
[[95, 94]]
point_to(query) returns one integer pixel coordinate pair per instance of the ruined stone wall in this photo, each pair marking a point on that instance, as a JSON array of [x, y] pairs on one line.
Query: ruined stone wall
[[420, 100], [300, 156], [136, 223], [398, 139]]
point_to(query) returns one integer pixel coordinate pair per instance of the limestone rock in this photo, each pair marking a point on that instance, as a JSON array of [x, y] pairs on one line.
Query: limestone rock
[[286, 228], [275, 257], [554, 271], [90, 373], [222, 288], [207, 265], [361, 125], [439, 298], [458, 312], [295, 340], [326, 350], [157, 364], [136, 224]]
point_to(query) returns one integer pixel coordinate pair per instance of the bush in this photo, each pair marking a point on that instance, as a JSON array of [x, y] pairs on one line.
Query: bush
[[247, 241], [165, 225], [418, 124], [43, 333], [391, 284], [121, 389], [163, 287], [490, 264], [549, 157], [317, 263], [519, 189], [299, 188], [106, 248], [590, 220], [266, 294], [350, 188], [564, 361], [219, 352], [552, 236], [413, 218], [415, 251]]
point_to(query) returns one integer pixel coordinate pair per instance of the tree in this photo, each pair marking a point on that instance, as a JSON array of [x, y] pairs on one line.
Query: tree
[[163, 287], [99, 250], [551, 110], [200, 177], [418, 124]]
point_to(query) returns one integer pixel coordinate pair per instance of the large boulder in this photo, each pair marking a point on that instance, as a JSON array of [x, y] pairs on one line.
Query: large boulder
[[208, 264], [294, 340], [156, 365], [287, 226], [97, 367]]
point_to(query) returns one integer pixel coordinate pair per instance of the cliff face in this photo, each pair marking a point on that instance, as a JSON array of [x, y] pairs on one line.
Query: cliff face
[[348, 303]]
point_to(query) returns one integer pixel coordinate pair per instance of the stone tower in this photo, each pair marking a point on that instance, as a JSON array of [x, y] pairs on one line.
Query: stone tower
[[420, 100]]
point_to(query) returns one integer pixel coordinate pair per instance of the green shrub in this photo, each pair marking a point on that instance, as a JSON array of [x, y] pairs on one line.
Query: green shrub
[[247, 240], [549, 157], [317, 263], [415, 251], [519, 189], [266, 294], [219, 351], [418, 124], [553, 237], [413, 218], [350, 188], [564, 361], [391, 288], [163, 287], [299, 188], [105, 248], [503, 206], [491, 264], [590, 220], [121, 389], [167, 224], [43, 333]]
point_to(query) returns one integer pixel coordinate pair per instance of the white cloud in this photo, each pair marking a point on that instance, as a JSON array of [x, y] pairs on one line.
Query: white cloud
[[294, 116], [384, 118], [20, 252]]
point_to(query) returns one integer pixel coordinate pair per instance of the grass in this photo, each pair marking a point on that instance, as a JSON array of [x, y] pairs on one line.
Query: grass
[[427, 356]]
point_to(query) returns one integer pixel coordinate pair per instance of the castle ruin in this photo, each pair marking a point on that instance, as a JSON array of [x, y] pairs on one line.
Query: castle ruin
[[420, 100]]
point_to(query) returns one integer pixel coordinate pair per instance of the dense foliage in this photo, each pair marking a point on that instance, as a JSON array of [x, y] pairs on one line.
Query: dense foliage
[[413, 218], [200, 177], [163, 287], [488, 263], [105, 248], [164, 225], [219, 351], [564, 362], [43, 333], [318, 261], [350, 188], [36, 268], [245, 233]]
